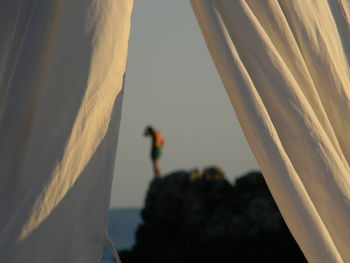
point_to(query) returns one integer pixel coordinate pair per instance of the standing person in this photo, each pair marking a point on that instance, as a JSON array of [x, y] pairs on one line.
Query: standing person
[[156, 147]]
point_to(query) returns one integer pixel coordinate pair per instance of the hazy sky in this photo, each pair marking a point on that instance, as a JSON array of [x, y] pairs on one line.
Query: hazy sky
[[172, 83]]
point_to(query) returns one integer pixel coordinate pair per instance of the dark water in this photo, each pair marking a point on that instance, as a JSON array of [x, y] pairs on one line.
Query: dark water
[[121, 227]]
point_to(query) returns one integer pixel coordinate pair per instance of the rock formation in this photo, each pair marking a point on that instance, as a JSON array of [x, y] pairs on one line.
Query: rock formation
[[192, 217]]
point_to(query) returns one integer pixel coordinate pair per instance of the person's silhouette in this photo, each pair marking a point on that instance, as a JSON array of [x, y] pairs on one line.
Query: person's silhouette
[[156, 147]]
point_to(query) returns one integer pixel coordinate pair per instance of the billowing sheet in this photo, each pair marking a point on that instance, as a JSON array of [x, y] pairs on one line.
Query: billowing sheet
[[285, 66], [62, 64]]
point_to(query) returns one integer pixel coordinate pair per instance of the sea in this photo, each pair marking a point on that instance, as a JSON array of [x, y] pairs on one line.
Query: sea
[[122, 225]]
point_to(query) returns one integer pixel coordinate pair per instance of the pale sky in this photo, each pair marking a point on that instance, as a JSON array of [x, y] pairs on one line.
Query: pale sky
[[172, 84]]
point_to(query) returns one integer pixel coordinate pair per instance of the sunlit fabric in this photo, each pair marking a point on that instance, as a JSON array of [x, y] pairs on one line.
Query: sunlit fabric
[[285, 66], [61, 74]]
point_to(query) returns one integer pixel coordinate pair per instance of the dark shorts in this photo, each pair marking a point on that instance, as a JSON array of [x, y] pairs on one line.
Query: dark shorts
[[156, 153]]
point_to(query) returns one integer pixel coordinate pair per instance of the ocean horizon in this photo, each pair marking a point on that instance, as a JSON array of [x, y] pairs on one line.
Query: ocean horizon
[[122, 225]]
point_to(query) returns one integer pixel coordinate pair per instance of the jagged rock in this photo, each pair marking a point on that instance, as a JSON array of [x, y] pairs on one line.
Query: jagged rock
[[201, 217]]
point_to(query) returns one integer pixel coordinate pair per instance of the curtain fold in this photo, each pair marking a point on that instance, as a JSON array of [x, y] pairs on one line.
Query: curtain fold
[[285, 67], [62, 64]]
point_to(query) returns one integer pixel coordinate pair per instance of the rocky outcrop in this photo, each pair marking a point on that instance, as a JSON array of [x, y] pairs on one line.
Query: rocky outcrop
[[201, 217]]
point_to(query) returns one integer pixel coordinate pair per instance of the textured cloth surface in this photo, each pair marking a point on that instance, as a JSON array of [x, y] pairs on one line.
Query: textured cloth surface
[[285, 66], [61, 74]]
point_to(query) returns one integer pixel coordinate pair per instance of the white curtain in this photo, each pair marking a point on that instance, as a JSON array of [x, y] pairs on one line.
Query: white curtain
[[285, 66], [62, 64]]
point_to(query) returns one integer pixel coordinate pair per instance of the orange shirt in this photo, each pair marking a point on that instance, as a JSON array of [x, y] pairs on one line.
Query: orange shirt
[[158, 139]]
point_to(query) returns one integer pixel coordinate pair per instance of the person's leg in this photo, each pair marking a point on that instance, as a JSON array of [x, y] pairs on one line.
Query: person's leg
[[156, 168]]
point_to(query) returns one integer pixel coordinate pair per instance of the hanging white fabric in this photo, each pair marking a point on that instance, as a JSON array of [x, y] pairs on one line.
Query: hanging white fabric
[[285, 66], [61, 73]]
